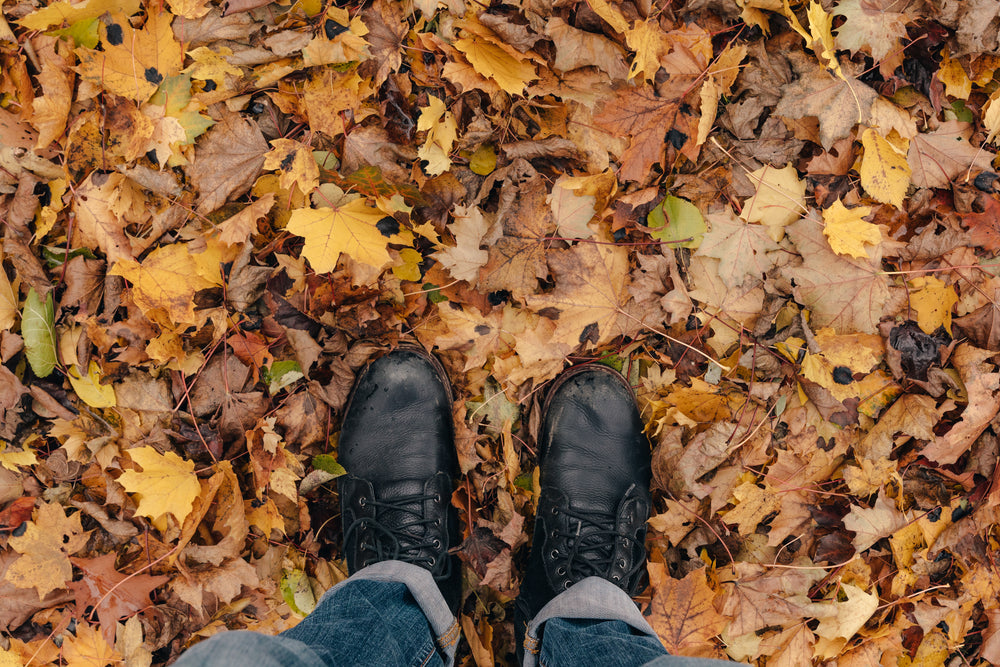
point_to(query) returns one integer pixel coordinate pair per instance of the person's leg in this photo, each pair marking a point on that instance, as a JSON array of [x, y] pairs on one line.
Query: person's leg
[[391, 613], [398, 606]]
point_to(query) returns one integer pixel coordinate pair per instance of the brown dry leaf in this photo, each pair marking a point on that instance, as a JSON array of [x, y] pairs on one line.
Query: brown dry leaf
[[870, 525], [591, 289], [683, 613], [227, 161], [983, 389], [840, 104], [110, 593], [842, 292], [939, 157], [641, 116]]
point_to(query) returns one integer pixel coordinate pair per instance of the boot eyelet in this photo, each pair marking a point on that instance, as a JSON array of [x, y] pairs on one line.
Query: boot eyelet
[[436, 544], [616, 577], [554, 553], [437, 523], [566, 585], [561, 571], [437, 497], [362, 502], [553, 511], [622, 563]]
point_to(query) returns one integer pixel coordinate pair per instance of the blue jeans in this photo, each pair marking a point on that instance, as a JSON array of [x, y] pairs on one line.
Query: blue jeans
[[392, 613]]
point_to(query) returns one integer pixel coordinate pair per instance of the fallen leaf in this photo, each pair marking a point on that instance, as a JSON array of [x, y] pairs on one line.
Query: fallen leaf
[[682, 612], [227, 161], [112, 595], [779, 200], [166, 484], [939, 157], [983, 389], [351, 228], [846, 294], [848, 232]]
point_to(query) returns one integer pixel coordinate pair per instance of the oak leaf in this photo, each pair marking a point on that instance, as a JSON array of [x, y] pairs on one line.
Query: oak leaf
[[167, 484], [682, 612]]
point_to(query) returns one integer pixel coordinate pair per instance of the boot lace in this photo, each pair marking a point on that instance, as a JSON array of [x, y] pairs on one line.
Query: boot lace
[[405, 538], [588, 548]]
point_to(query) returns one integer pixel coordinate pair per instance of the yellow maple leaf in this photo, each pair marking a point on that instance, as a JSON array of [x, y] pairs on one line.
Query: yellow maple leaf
[[12, 458], [89, 388], [442, 130], [991, 117], [133, 62], [295, 162], [885, 173], [45, 548], [166, 484], [211, 65], [494, 63], [780, 199], [932, 299], [349, 228], [164, 284], [649, 43], [57, 13], [752, 505], [953, 76], [89, 649], [847, 231]]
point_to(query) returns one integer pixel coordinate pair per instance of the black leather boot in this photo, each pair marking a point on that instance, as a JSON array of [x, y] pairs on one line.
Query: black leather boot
[[595, 500], [397, 444]]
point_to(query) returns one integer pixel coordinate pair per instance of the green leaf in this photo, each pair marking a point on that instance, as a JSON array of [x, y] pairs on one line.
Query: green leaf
[[678, 222], [297, 592], [329, 464], [83, 33], [281, 374], [39, 333], [433, 293]]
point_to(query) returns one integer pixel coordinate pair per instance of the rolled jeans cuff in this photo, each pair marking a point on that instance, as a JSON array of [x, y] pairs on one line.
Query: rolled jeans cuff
[[425, 591], [592, 598]]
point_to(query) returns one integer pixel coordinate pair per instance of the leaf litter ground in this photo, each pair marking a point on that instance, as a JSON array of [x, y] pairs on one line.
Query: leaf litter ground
[[779, 221]]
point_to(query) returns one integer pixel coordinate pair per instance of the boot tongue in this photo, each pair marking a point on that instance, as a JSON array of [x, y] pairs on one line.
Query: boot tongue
[[400, 518]]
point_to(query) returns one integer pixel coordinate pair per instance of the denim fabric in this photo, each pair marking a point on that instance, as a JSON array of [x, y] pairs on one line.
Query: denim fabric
[[596, 623], [392, 613]]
